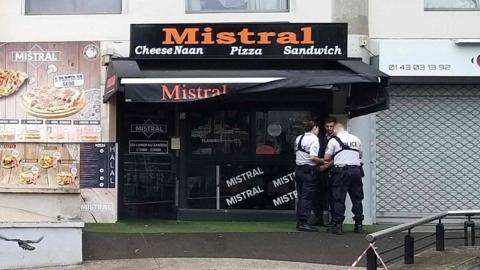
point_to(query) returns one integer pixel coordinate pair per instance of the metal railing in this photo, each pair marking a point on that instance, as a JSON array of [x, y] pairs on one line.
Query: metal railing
[[409, 240]]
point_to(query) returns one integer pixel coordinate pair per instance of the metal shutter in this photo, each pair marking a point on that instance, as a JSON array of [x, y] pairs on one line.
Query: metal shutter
[[428, 151]]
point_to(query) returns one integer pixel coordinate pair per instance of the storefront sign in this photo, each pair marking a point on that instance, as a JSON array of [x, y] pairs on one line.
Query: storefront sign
[[148, 147], [36, 56], [429, 58], [260, 40], [177, 92], [149, 128]]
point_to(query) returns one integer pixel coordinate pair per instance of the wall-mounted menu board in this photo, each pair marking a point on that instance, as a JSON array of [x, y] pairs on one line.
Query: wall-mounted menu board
[[50, 92]]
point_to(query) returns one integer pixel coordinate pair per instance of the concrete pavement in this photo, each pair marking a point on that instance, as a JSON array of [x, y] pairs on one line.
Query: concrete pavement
[[196, 264]]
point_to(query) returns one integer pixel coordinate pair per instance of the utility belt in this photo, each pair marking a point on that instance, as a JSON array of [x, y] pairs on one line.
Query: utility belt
[[305, 167], [341, 168]]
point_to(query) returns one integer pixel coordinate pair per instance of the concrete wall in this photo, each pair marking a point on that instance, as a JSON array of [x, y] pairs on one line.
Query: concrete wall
[[48, 204], [116, 27], [407, 19], [61, 245], [354, 12]]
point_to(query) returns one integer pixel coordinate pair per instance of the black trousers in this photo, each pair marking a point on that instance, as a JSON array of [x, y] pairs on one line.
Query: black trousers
[[305, 181], [347, 180], [322, 197]]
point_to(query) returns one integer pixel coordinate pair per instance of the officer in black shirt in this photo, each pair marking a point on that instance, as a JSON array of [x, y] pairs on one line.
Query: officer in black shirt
[[323, 198]]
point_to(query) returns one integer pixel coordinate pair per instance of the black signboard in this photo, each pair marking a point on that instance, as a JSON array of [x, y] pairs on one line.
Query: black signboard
[[97, 165], [228, 41]]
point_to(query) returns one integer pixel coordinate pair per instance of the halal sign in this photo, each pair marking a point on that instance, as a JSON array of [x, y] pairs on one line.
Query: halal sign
[[149, 128]]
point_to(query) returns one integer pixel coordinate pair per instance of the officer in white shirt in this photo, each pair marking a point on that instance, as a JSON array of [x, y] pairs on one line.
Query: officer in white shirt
[[306, 151], [345, 150]]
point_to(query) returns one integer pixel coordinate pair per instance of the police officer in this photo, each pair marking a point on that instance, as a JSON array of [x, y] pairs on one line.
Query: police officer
[[323, 197], [307, 147], [345, 150]]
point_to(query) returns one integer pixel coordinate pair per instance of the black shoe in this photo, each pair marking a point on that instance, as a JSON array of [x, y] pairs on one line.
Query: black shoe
[[330, 224], [358, 228], [317, 223], [306, 228], [337, 229]]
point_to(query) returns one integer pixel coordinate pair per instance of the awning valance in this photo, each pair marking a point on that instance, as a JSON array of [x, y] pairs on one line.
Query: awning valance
[[367, 84]]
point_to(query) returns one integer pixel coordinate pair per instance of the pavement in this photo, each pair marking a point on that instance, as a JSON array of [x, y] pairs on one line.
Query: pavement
[[317, 248], [232, 251], [196, 264]]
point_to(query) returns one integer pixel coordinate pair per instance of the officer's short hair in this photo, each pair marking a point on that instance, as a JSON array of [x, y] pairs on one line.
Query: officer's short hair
[[330, 119], [308, 126]]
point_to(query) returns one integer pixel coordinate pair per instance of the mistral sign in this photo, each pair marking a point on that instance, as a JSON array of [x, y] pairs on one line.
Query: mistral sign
[[228, 41]]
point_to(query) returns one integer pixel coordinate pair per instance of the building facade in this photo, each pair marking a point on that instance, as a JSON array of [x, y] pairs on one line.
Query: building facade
[[426, 155], [69, 45]]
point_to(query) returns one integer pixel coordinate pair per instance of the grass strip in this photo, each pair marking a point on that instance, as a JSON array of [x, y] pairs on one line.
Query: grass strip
[[172, 226]]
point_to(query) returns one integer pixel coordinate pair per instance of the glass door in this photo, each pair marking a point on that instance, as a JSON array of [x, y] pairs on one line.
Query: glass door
[[149, 164]]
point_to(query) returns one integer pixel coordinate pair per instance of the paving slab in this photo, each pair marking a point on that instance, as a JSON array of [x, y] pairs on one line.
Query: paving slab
[[197, 264], [453, 258]]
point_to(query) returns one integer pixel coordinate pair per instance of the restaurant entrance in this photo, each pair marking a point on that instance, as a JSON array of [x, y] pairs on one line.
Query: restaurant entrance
[[211, 135], [149, 167]]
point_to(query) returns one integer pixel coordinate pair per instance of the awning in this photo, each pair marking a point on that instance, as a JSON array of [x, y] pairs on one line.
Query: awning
[[367, 85]]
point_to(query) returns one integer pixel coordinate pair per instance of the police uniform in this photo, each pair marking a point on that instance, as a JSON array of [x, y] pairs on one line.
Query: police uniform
[[346, 176], [305, 174]]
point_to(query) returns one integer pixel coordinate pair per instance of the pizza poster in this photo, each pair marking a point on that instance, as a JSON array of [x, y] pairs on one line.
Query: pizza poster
[[50, 92]]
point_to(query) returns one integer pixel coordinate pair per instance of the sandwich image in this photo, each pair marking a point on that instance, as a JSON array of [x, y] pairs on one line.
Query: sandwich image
[[26, 178], [9, 162], [64, 178], [7, 135], [32, 134], [88, 137], [46, 161]]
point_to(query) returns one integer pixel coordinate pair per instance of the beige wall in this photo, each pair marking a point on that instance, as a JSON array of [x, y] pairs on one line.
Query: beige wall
[[407, 19]]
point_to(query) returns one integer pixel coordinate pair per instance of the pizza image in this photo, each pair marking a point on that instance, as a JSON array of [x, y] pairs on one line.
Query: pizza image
[[53, 102], [11, 81]]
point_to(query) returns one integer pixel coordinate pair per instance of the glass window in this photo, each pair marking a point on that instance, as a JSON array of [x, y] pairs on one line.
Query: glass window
[[276, 131], [220, 133], [202, 186], [194, 6], [452, 4], [55, 7], [264, 186]]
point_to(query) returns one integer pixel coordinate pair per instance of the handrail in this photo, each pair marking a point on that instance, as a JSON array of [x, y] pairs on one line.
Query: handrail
[[407, 226]]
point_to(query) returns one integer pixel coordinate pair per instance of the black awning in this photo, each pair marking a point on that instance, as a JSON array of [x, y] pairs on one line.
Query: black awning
[[367, 84]]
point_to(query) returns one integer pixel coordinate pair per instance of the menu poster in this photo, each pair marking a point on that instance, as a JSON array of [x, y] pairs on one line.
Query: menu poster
[[27, 166], [50, 92], [98, 181]]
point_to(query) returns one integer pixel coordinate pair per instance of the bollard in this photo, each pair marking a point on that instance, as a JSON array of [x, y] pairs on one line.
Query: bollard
[[371, 259], [469, 224], [409, 249], [440, 237], [465, 233], [472, 231]]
